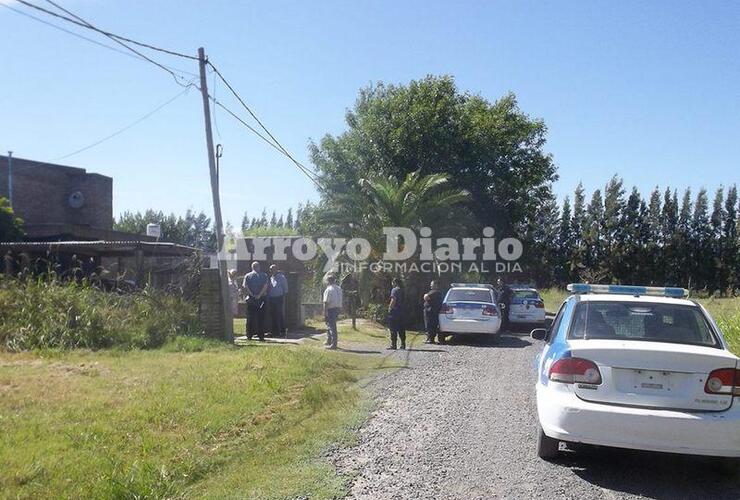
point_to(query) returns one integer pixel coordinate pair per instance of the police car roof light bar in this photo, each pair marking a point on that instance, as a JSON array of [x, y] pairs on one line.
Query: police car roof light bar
[[655, 291]]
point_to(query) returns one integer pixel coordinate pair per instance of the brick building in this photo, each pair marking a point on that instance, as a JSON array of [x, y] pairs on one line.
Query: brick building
[[59, 202]]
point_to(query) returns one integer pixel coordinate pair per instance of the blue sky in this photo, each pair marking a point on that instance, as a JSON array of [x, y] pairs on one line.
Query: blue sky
[[646, 90]]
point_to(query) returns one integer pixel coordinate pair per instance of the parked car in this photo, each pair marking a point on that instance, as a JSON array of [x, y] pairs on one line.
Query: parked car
[[526, 306], [470, 308], [641, 368]]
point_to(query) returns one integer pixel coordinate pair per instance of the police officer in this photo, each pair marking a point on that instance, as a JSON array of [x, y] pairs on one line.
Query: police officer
[[505, 294], [432, 306]]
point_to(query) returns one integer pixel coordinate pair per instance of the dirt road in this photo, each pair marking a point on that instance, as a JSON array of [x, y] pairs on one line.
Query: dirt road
[[459, 422]]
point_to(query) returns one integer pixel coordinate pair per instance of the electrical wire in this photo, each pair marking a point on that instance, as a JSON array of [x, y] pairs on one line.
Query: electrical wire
[[244, 104], [77, 35], [178, 78], [79, 21], [127, 127], [85, 24]]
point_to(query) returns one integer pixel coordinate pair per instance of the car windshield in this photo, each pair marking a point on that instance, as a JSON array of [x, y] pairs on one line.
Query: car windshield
[[467, 295], [675, 323], [526, 294]]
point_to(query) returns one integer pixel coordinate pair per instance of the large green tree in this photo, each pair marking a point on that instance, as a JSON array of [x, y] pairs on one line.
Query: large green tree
[[492, 150]]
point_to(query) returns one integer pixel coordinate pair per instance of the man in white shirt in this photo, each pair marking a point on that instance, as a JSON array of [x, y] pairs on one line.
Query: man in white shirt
[[332, 306]]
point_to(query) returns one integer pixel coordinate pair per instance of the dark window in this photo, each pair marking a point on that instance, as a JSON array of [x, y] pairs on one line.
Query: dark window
[[466, 295], [674, 323], [526, 294]]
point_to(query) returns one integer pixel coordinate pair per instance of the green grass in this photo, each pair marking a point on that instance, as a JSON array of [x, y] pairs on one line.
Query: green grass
[[726, 311], [195, 418]]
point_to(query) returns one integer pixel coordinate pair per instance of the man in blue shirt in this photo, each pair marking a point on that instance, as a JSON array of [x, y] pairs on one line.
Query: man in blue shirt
[[256, 286], [276, 300]]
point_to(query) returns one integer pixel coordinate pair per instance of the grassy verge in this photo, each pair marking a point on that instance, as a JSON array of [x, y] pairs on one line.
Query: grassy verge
[[726, 311], [214, 421]]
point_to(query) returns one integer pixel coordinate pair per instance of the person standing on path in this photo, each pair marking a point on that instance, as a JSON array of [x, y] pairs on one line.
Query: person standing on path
[[256, 285], [276, 297], [505, 294], [233, 292], [395, 315], [332, 307], [432, 306]]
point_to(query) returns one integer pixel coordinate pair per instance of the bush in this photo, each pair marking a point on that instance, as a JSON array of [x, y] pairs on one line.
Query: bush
[[375, 312], [51, 315]]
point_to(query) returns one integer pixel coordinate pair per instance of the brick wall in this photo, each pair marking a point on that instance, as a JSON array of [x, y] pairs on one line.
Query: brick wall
[[41, 193], [209, 297]]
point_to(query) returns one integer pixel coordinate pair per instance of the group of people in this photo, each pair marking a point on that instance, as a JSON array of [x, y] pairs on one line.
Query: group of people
[[265, 298], [432, 305]]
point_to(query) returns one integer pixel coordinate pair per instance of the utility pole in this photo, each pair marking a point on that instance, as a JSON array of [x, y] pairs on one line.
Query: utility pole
[[10, 178], [225, 299]]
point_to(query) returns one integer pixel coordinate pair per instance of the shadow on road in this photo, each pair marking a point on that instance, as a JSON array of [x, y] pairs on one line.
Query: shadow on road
[[650, 474], [503, 340]]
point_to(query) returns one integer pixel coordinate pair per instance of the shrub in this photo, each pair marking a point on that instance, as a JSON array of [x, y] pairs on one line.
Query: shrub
[[375, 312], [43, 315]]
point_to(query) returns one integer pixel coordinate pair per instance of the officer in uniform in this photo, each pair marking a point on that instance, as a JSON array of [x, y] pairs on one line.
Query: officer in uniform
[[432, 306]]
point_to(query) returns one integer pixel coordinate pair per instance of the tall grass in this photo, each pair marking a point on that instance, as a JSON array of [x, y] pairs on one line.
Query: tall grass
[[51, 315]]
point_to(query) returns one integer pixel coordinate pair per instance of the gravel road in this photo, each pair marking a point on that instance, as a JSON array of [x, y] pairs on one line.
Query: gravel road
[[459, 422]]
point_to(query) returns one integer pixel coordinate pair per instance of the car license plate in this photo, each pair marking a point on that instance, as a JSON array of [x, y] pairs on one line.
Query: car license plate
[[644, 381]]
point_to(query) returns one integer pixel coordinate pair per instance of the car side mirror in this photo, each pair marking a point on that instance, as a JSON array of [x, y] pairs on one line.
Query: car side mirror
[[538, 334], [502, 306]]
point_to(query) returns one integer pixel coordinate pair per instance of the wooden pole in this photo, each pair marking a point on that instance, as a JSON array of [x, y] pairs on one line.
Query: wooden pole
[[225, 299]]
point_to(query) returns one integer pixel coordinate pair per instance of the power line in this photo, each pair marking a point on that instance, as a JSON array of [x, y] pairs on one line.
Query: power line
[[81, 22], [241, 101], [77, 35], [272, 141], [310, 175], [85, 24], [130, 125]]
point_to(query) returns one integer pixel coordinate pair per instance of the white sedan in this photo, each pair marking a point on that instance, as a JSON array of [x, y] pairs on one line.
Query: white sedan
[[470, 308], [526, 306], [639, 368]]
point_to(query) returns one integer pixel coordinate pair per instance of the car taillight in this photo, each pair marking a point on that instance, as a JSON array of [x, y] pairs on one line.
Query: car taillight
[[723, 381], [446, 309], [489, 311], [540, 305], [575, 370]]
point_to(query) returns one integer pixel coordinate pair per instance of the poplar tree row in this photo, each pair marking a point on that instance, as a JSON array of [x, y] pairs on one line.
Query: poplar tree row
[[615, 237]]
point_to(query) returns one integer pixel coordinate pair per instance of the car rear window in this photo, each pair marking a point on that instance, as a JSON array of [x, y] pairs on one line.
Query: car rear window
[[464, 295], [526, 294], [655, 322]]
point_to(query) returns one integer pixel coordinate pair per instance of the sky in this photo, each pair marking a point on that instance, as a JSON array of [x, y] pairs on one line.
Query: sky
[[649, 91]]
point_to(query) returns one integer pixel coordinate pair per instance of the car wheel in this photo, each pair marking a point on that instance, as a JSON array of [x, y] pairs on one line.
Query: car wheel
[[547, 447]]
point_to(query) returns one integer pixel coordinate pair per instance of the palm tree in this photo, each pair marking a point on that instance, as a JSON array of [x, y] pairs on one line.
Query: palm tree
[[417, 201]]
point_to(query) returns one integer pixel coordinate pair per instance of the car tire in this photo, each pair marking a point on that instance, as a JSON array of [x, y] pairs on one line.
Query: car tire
[[547, 447]]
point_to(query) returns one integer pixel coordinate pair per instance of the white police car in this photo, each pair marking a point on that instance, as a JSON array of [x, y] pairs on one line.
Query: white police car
[[526, 306], [637, 367], [470, 308]]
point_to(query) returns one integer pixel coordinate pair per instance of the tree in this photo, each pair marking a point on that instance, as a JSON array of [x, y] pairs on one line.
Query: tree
[[730, 257], [417, 201], [289, 219], [11, 227], [491, 150], [245, 222], [701, 242], [565, 243], [193, 230], [613, 231]]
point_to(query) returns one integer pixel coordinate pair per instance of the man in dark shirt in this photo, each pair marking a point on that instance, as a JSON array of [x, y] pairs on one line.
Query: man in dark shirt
[[432, 306], [395, 315], [505, 294], [256, 286]]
